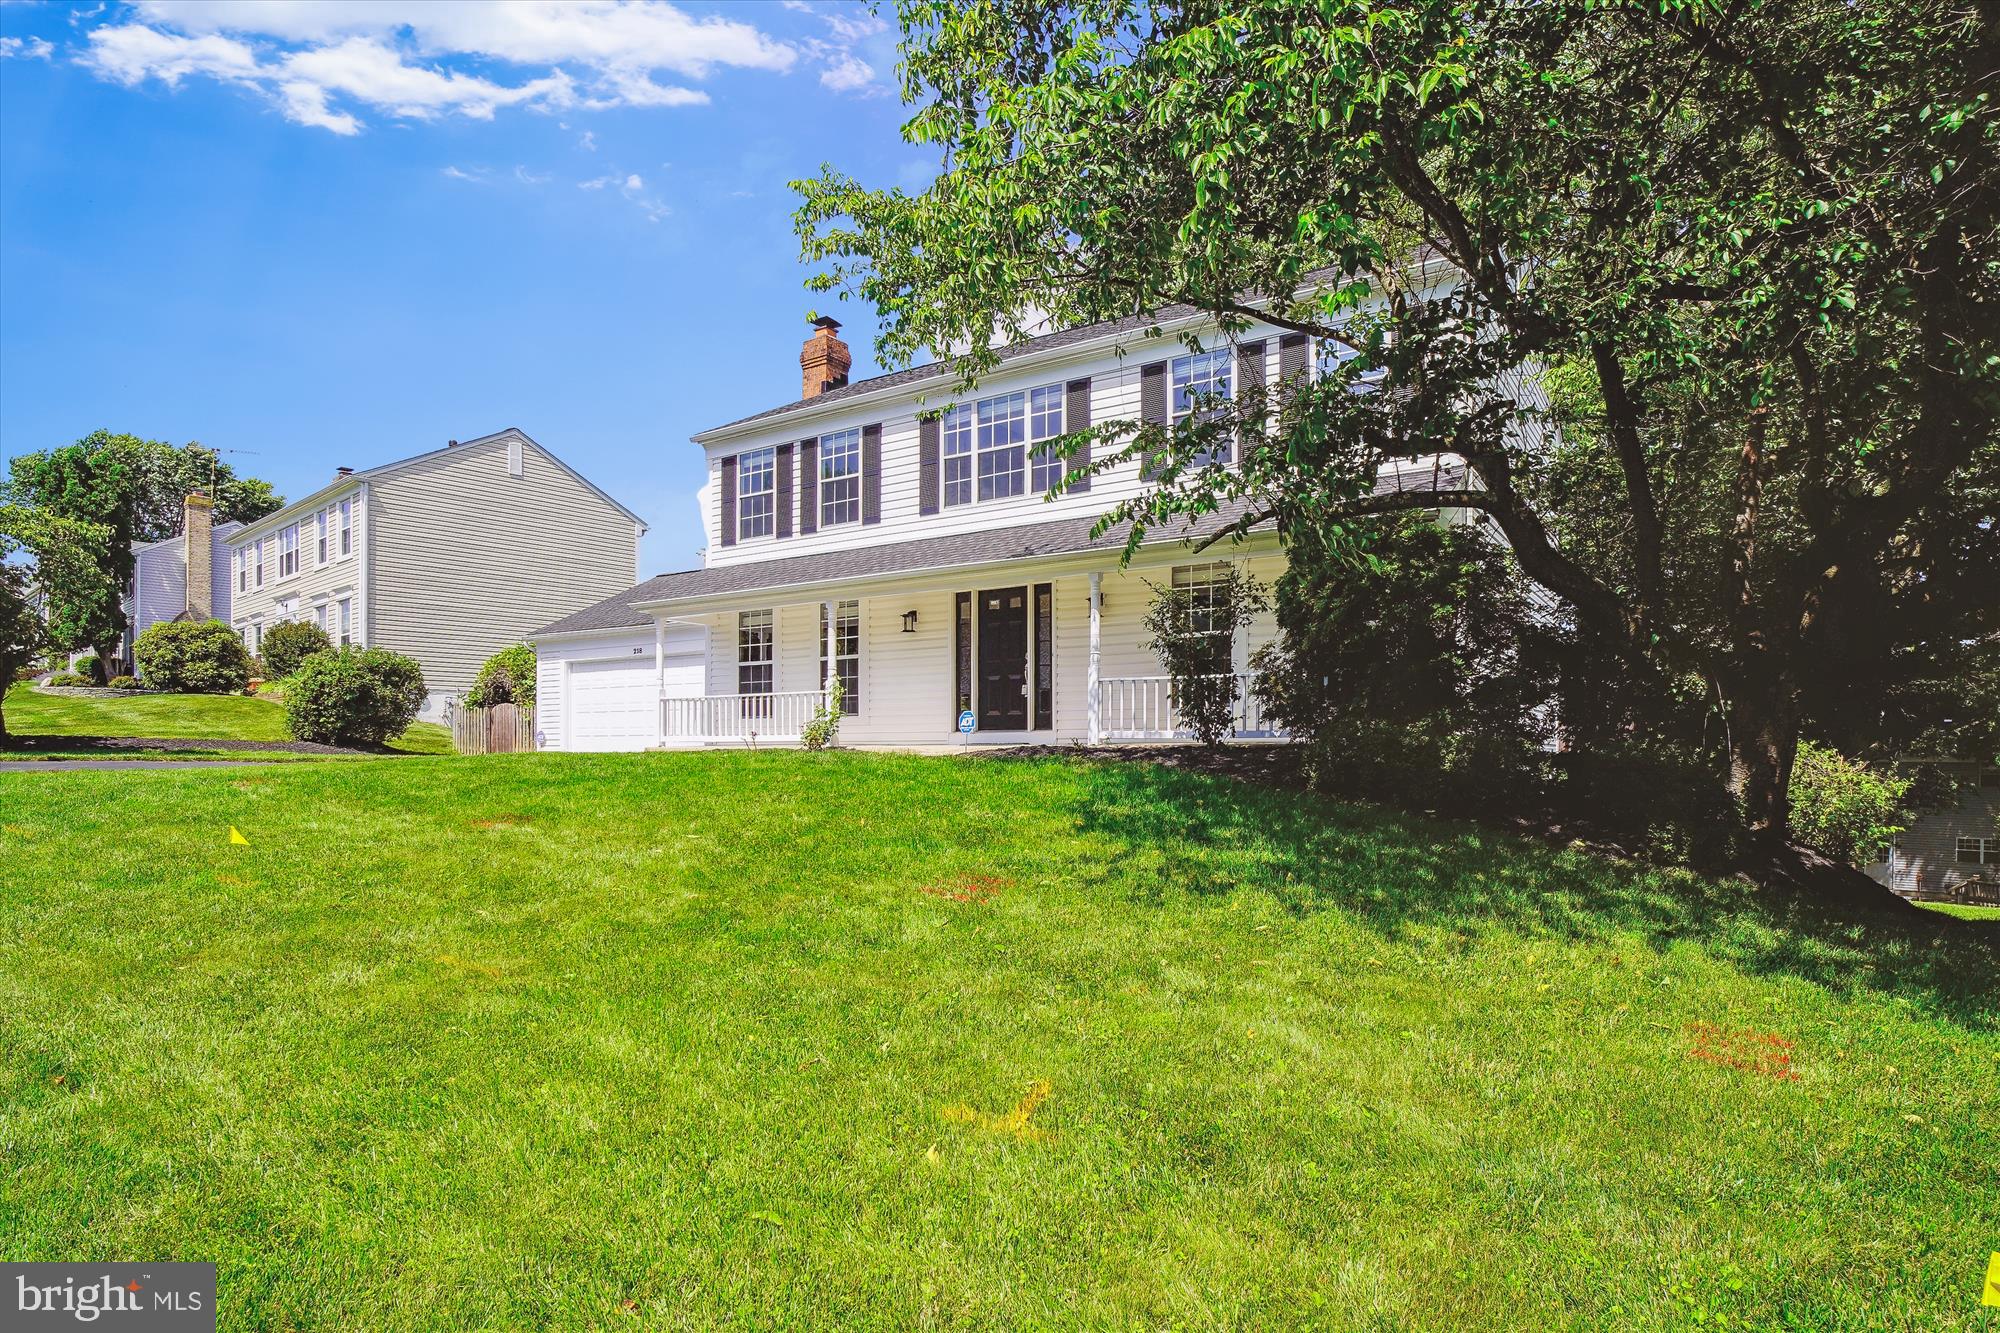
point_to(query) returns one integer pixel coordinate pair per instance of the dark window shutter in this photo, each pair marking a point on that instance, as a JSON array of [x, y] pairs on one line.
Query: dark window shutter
[[1076, 415], [1153, 411], [784, 500], [1291, 366], [1250, 375], [729, 501], [808, 486], [927, 466], [871, 473]]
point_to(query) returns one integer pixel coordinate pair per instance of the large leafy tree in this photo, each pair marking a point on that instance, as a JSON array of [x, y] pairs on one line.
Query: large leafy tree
[[50, 568], [131, 491], [1761, 239]]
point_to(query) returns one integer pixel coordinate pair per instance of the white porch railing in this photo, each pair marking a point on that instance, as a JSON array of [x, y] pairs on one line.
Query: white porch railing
[[1141, 708], [708, 718]]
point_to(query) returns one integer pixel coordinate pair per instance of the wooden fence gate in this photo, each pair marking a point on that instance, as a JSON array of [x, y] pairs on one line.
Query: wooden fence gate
[[501, 729]]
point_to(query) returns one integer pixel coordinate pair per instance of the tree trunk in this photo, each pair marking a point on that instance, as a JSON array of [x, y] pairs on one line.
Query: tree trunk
[[1763, 740]]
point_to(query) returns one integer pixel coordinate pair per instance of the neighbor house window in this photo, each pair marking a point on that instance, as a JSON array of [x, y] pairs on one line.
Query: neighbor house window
[[1979, 851], [840, 477], [346, 526], [1198, 382], [847, 647], [1333, 355], [243, 569], [756, 502], [514, 458], [320, 522], [346, 622], [260, 564], [1001, 427], [1045, 422], [288, 551], [958, 456], [1207, 588]]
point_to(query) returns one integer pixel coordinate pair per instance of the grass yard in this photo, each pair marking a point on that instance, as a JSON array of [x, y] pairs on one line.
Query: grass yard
[[783, 1040], [46, 726]]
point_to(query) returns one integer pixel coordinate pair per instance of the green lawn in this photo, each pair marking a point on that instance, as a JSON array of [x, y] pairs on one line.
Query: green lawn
[[780, 1040], [33, 715]]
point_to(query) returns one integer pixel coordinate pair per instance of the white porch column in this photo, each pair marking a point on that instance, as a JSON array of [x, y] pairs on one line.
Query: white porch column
[[1092, 707], [832, 654], [659, 681]]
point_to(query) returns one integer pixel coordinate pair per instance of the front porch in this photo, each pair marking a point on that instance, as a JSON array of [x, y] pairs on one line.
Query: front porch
[[1060, 656]]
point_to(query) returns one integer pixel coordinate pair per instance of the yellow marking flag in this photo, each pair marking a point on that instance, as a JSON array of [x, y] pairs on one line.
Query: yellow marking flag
[[1991, 1296], [237, 839]]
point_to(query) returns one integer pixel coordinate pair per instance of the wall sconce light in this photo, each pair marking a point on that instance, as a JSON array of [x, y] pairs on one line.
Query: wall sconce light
[[909, 622]]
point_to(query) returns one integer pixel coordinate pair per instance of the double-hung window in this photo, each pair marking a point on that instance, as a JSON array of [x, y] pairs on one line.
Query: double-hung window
[[260, 562], [319, 557], [288, 551], [242, 569], [756, 660], [840, 477], [958, 455], [1199, 382], [346, 526], [1000, 430], [1979, 851], [346, 622], [1334, 355], [756, 498], [1045, 422], [847, 651], [1207, 589]]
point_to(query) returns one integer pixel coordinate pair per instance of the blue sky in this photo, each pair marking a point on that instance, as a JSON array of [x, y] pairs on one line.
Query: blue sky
[[340, 233]]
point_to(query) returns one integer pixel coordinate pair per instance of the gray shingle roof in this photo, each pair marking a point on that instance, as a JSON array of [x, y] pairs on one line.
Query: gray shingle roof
[[1062, 536]]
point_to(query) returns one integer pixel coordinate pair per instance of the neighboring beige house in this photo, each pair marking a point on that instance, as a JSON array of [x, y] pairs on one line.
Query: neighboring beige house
[[901, 532], [1954, 853], [166, 585], [447, 557]]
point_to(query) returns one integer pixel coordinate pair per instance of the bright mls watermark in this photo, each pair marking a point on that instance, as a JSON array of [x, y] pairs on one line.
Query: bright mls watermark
[[146, 1298]]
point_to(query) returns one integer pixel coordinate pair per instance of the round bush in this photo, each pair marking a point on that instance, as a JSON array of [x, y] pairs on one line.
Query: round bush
[[507, 678], [85, 666], [291, 642], [69, 679], [355, 696], [122, 683], [192, 657]]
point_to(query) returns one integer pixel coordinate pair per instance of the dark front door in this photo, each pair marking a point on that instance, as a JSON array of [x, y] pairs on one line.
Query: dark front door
[[1003, 659]]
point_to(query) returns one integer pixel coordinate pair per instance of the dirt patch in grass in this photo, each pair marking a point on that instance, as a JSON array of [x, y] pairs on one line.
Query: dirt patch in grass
[[970, 890]]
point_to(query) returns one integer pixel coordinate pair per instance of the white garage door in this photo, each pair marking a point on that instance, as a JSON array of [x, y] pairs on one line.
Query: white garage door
[[611, 705]]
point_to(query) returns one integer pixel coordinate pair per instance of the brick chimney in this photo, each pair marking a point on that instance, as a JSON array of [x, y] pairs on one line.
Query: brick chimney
[[198, 519], [824, 362]]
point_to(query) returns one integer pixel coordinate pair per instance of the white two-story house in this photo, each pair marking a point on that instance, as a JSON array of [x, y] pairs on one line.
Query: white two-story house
[[902, 533], [447, 557]]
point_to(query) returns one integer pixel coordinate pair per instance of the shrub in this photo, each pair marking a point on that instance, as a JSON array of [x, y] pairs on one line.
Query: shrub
[[289, 643], [353, 696], [87, 666], [70, 679], [824, 728], [192, 657], [1193, 630], [507, 677], [1843, 808], [122, 683]]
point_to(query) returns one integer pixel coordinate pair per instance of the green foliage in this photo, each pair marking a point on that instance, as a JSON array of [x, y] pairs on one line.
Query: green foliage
[[192, 657], [1420, 671], [89, 665], [290, 642], [507, 677], [1757, 251], [70, 680], [63, 578], [123, 683], [1845, 809], [354, 696], [823, 729], [1194, 632]]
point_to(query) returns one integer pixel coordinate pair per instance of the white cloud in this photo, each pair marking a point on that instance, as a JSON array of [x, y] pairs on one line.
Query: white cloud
[[848, 73], [631, 186], [527, 177], [460, 174], [316, 59], [588, 141], [31, 48]]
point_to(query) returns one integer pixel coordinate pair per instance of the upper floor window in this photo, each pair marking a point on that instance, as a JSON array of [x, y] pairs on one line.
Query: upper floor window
[[242, 569], [288, 551], [319, 553], [756, 500], [988, 441], [1198, 381], [260, 562], [1333, 355], [840, 477], [346, 526]]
